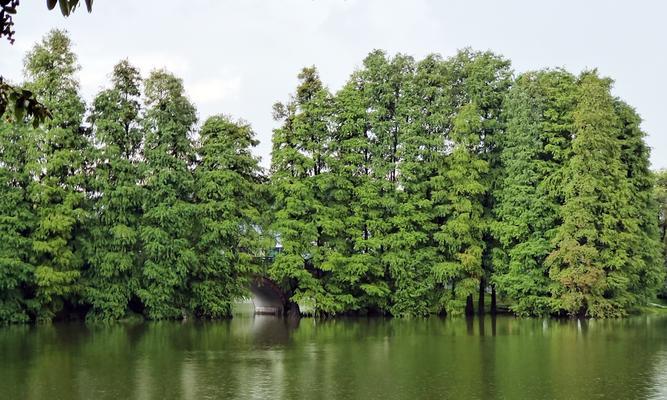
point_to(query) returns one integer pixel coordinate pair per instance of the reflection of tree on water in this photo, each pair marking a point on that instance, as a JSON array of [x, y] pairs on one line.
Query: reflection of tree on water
[[660, 376], [269, 330], [483, 325], [268, 357]]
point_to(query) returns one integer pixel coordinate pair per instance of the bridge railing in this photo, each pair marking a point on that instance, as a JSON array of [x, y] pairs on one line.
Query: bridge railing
[[267, 310]]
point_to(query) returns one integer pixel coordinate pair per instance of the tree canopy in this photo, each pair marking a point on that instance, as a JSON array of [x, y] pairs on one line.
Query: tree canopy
[[421, 186]]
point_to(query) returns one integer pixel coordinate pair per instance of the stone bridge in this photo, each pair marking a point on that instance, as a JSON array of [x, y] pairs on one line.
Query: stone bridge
[[267, 296], [269, 299]]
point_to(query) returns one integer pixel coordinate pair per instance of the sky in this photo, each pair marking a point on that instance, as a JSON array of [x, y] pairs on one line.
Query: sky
[[238, 57]]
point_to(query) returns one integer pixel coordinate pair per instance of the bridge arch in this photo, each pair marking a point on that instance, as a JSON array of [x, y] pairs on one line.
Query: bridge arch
[[268, 298]]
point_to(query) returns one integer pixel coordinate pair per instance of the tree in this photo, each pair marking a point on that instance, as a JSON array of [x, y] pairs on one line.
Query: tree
[[661, 198], [423, 116], [168, 210], [301, 184], [643, 248], [230, 199], [461, 236], [590, 264], [479, 82], [59, 177], [539, 116], [114, 267], [361, 271], [16, 223], [383, 89]]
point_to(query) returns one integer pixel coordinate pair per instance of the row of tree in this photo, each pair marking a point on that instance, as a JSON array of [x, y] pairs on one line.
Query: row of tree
[[417, 188], [422, 185], [120, 208]]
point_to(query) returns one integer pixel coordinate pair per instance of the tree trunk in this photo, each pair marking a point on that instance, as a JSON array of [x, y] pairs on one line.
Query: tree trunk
[[493, 325], [493, 300], [480, 304], [292, 310], [470, 307], [470, 326]]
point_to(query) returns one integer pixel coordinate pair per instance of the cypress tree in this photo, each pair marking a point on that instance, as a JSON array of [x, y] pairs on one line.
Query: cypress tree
[[661, 198], [539, 116], [362, 272], [384, 85], [167, 221], [590, 263], [461, 236], [313, 126], [113, 275], [59, 185], [646, 269], [479, 82], [301, 182], [424, 114], [489, 76], [16, 223], [230, 200]]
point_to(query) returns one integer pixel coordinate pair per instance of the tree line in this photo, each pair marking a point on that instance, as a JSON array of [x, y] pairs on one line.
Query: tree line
[[120, 208], [420, 187]]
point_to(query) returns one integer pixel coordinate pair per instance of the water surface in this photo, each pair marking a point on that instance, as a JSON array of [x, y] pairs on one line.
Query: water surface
[[268, 358]]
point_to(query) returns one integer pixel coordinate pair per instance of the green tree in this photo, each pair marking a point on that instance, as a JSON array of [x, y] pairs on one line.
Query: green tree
[[302, 188], [423, 115], [16, 223], [361, 271], [539, 116], [59, 171], [461, 235], [661, 198], [114, 270], [590, 263], [478, 82], [231, 198], [168, 209], [643, 248], [384, 83]]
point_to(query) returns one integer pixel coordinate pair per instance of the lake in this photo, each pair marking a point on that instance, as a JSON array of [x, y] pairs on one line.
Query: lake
[[265, 357]]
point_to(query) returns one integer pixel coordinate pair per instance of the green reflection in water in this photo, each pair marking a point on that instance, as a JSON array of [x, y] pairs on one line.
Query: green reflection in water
[[265, 357]]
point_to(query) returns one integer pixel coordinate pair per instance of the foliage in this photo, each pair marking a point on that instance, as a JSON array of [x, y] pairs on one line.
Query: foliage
[[230, 200], [354, 250], [113, 273], [417, 186], [168, 211], [16, 222], [539, 117], [595, 265], [68, 6], [301, 183], [23, 102], [385, 81], [57, 190], [661, 198], [8, 10]]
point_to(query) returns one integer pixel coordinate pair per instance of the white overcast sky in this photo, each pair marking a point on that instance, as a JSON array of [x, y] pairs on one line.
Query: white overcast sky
[[238, 57]]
